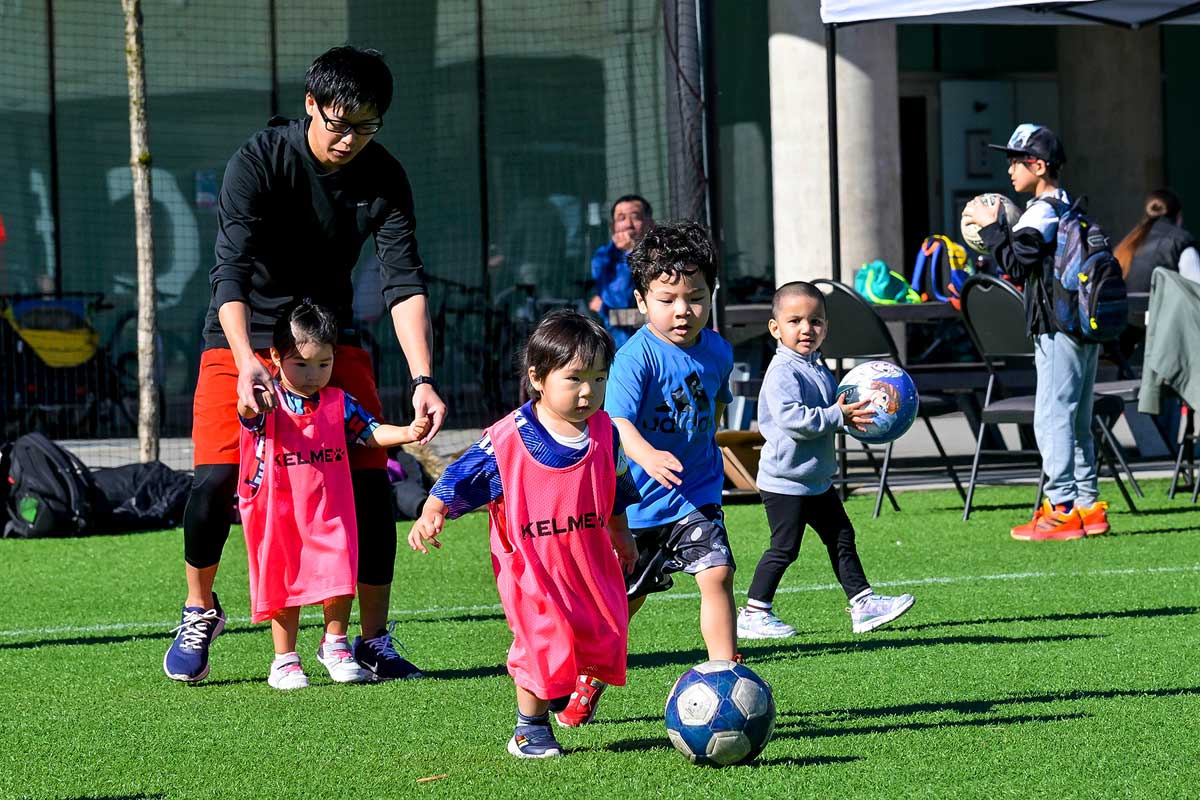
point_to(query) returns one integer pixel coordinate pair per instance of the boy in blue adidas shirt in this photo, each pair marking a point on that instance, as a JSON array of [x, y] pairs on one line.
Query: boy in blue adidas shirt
[[666, 391], [1066, 366]]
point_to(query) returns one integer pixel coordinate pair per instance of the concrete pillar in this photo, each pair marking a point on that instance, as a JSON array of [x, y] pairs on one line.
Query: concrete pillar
[[868, 146], [1110, 104]]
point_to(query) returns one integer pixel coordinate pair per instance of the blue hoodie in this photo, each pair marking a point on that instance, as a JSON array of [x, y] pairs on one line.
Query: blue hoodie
[[797, 416]]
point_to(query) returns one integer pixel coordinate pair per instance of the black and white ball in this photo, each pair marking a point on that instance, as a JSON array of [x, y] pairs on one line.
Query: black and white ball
[[720, 713]]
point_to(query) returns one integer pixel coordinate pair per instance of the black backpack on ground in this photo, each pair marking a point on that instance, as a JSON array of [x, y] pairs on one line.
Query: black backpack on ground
[[140, 497], [50, 491]]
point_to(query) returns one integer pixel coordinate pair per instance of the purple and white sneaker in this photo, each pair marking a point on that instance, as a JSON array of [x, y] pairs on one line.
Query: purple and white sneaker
[[872, 610]]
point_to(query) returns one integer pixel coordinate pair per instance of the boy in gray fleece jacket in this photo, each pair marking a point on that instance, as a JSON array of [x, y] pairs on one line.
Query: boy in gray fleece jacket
[[798, 414]]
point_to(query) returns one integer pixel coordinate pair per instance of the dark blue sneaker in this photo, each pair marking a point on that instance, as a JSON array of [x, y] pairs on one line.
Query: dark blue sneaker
[[379, 659], [534, 741], [187, 658]]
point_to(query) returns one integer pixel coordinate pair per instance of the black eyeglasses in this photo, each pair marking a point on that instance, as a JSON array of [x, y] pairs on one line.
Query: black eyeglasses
[[342, 127]]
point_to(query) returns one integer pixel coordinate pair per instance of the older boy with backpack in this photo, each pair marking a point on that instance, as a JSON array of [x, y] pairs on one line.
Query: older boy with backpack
[[1073, 301]]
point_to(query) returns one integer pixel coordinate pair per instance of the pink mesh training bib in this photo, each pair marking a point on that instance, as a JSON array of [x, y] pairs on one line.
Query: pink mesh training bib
[[559, 580], [301, 535]]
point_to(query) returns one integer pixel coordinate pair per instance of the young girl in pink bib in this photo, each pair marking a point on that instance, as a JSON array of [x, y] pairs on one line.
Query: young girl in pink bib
[[556, 485], [296, 497]]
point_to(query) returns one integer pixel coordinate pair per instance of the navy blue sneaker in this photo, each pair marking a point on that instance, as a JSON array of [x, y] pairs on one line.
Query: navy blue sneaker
[[534, 741], [187, 658], [379, 659]]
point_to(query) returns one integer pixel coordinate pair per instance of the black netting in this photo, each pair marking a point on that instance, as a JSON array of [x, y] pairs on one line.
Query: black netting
[[514, 158]]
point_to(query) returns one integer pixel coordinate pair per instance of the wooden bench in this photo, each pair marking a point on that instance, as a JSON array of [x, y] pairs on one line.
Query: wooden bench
[[741, 450]]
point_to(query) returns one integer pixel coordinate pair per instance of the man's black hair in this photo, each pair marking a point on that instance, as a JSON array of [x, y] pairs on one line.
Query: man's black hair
[[796, 289], [350, 80], [631, 198], [304, 323], [561, 337], [672, 250]]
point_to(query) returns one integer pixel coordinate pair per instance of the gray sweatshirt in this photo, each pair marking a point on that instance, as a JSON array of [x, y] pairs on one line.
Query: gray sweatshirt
[[797, 416]]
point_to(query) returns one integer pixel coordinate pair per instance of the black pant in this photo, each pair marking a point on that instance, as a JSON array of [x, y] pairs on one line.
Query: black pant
[[210, 505], [787, 515]]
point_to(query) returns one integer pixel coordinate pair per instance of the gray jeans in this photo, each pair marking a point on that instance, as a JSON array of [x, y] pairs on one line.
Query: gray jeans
[[1062, 417]]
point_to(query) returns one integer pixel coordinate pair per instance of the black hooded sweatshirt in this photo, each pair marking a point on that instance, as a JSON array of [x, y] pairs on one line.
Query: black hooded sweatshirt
[[289, 230]]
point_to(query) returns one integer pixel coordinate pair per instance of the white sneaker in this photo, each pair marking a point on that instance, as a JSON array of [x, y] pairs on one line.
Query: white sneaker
[[286, 673], [874, 610], [339, 661], [762, 625]]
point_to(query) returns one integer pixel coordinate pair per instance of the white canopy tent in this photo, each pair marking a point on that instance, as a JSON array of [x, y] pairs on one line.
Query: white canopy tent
[[1131, 14], [1125, 13]]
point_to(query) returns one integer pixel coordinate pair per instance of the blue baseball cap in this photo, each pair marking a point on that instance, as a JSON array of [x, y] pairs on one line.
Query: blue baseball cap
[[1034, 141]]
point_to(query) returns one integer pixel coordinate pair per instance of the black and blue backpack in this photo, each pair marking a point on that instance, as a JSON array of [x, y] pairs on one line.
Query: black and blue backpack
[[49, 493], [1088, 292]]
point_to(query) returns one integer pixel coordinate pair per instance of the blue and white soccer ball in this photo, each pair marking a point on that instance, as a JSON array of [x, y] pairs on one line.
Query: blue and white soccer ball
[[720, 713], [893, 397]]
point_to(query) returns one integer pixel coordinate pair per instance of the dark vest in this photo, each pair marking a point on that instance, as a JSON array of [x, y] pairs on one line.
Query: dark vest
[[1164, 243]]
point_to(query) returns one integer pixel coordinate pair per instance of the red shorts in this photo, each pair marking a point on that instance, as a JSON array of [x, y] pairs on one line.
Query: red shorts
[[215, 426]]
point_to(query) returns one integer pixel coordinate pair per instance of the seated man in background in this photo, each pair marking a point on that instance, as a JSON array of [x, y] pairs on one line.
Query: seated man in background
[[631, 218]]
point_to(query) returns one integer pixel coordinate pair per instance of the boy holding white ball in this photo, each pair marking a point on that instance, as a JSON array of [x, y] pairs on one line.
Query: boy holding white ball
[[799, 411], [1066, 366]]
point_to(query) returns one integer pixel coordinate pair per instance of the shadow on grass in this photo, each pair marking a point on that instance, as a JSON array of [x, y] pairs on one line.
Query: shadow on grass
[[639, 744], [801, 730], [1151, 532], [1132, 613], [87, 641], [207, 684], [985, 706], [230, 630], [761, 653], [457, 618], [1188, 508], [625, 720], [646, 743], [975, 507], [494, 671], [802, 761]]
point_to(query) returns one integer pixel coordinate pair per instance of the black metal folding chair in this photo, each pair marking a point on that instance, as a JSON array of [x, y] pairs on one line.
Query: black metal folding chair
[[994, 312], [856, 331]]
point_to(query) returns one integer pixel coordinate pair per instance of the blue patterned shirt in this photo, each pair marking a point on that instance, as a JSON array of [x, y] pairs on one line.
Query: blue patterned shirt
[[473, 479]]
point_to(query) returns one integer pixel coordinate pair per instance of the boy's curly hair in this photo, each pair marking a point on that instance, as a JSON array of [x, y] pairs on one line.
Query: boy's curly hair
[[672, 250]]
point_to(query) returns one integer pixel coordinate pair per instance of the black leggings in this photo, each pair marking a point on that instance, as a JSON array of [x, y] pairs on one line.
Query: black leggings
[[211, 504], [787, 515]]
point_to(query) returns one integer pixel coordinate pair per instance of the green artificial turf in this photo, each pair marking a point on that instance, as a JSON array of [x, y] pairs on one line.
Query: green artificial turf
[[1024, 670]]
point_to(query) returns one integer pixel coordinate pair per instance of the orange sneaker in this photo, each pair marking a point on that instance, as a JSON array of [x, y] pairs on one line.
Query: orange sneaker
[[1095, 518], [582, 706], [1050, 524], [1023, 532]]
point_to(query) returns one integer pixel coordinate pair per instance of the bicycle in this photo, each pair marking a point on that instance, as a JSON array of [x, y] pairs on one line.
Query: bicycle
[[55, 374]]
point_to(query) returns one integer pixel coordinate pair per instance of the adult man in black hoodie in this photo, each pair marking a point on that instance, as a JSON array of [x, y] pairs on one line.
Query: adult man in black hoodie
[[297, 202]]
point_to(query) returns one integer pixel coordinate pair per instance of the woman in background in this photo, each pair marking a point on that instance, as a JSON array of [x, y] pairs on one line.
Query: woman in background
[[1159, 240]]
